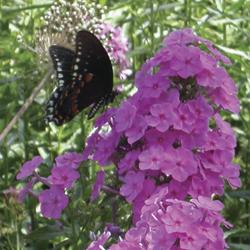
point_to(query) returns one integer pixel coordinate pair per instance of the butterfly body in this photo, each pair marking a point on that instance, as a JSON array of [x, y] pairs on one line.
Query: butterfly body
[[85, 78]]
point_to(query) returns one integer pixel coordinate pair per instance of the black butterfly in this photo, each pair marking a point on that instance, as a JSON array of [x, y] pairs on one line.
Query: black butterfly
[[85, 77]]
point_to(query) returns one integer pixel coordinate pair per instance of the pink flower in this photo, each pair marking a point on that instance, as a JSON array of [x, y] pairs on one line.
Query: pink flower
[[207, 77], [180, 37], [207, 203], [154, 86], [162, 116], [184, 119], [53, 201], [231, 173], [124, 116], [225, 100], [180, 163], [153, 158], [64, 176], [137, 130], [98, 243], [69, 160], [175, 221], [133, 185], [28, 167], [105, 147], [186, 61], [192, 241], [23, 193], [200, 108], [100, 178], [148, 188], [128, 162], [159, 239]]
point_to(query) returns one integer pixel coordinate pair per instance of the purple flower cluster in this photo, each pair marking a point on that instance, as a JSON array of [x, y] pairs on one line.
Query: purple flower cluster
[[63, 175], [170, 146], [169, 142], [174, 224]]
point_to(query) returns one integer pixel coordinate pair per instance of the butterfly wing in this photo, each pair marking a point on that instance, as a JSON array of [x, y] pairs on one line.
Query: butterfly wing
[[63, 60], [92, 79], [93, 69]]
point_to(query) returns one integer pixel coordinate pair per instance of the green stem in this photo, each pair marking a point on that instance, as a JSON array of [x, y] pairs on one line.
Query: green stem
[[224, 25]]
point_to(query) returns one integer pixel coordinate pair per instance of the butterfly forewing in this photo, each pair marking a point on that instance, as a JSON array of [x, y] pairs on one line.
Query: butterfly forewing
[[91, 79], [63, 60]]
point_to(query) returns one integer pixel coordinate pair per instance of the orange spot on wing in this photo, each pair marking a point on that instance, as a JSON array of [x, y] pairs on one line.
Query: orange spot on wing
[[88, 77]]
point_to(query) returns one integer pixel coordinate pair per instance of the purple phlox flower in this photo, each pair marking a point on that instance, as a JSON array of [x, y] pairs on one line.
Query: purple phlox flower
[[177, 190], [69, 160], [199, 186], [148, 188], [105, 117], [154, 86], [207, 203], [228, 101], [128, 162], [195, 226], [227, 83], [191, 240], [216, 53], [186, 61], [175, 219], [162, 116], [216, 160], [100, 241], [185, 120], [232, 174], [200, 108], [206, 185], [28, 167], [159, 239], [180, 37], [225, 131], [53, 201], [125, 245], [133, 239], [124, 117], [161, 57], [217, 141], [137, 130], [208, 76], [90, 147], [180, 164], [105, 148], [159, 194], [155, 137], [64, 176], [96, 188], [152, 158], [23, 193], [133, 185], [223, 125]]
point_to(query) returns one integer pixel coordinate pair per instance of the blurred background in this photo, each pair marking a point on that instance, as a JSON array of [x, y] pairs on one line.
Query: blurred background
[[144, 23]]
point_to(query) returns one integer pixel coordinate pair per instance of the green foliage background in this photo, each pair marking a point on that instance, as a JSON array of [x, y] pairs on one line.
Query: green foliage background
[[224, 22]]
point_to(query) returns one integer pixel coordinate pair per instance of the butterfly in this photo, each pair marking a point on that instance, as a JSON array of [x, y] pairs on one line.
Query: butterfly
[[85, 78]]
